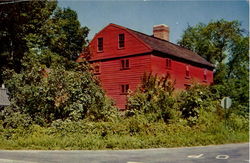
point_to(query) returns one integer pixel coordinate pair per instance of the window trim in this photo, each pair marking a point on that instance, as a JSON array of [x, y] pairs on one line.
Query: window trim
[[121, 41], [205, 75], [187, 72], [99, 69], [98, 43]]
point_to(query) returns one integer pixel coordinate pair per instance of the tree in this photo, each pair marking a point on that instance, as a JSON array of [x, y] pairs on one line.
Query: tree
[[17, 21], [69, 37], [47, 95], [38, 26], [213, 41], [223, 43]]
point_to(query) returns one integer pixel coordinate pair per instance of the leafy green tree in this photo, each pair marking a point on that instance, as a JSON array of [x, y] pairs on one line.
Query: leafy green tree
[[51, 94], [17, 21], [213, 41], [223, 43], [38, 26], [69, 37], [236, 84]]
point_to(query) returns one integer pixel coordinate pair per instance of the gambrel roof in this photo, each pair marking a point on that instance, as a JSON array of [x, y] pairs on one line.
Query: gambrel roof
[[164, 47], [169, 48]]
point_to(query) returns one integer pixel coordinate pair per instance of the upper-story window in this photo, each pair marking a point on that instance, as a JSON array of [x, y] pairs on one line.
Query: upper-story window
[[124, 64], [100, 44], [205, 75], [168, 63], [187, 72], [121, 42]]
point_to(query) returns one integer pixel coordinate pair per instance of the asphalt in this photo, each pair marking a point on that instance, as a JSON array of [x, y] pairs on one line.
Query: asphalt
[[229, 153]]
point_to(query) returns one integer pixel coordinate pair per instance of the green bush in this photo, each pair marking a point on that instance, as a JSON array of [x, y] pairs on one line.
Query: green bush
[[57, 93], [154, 99], [197, 101]]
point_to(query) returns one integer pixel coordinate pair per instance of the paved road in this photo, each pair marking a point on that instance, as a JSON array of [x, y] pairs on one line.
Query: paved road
[[229, 153]]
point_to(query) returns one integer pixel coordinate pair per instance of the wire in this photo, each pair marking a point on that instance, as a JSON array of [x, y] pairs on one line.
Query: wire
[[11, 2]]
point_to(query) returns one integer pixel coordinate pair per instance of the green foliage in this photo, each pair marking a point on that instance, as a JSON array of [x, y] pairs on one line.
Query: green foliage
[[153, 98], [17, 21], [38, 26], [122, 135], [213, 41], [68, 37], [38, 53], [14, 119], [195, 100], [223, 43], [50, 94]]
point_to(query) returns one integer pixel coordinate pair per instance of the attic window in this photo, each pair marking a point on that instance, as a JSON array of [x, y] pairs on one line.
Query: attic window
[[187, 72], [168, 63], [124, 64], [121, 41], [100, 44]]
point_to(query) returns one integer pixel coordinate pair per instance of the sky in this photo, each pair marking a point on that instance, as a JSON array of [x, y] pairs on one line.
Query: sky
[[142, 15]]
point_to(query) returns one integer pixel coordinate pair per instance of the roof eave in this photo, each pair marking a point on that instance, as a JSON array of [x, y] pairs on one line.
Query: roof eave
[[210, 66]]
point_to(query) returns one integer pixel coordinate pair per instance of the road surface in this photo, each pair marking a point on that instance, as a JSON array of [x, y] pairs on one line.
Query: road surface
[[229, 153]]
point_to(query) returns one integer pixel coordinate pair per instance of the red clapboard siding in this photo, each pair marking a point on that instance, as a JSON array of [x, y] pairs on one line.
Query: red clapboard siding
[[178, 72], [112, 77], [110, 44], [145, 54]]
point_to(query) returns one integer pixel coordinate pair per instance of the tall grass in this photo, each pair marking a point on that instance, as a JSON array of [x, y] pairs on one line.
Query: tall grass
[[129, 133]]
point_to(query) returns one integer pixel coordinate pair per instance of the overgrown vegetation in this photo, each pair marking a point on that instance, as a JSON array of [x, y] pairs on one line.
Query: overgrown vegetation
[[57, 103], [155, 118]]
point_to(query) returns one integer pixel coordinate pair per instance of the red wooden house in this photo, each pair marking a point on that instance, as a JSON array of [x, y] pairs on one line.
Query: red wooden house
[[120, 56]]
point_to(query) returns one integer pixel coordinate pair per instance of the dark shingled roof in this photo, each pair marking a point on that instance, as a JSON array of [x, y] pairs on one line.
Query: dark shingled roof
[[170, 48], [4, 100]]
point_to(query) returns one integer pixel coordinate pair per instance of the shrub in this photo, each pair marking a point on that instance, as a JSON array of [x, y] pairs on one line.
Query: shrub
[[196, 100], [14, 119], [154, 98], [56, 93]]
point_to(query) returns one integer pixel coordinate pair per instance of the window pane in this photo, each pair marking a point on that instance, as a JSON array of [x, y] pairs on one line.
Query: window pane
[[127, 63], [121, 40], [124, 88]]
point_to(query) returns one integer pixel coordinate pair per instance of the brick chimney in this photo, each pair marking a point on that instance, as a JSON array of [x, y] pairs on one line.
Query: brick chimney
[[161, 31]]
